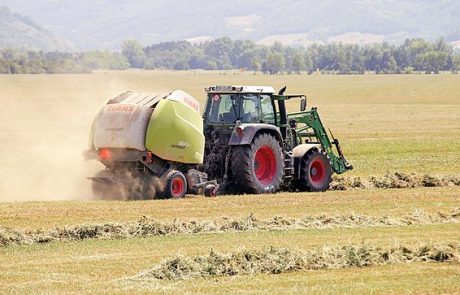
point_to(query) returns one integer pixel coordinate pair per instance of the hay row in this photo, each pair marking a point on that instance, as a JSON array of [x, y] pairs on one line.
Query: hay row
[[393, 180], [281, 260], [146, 227]]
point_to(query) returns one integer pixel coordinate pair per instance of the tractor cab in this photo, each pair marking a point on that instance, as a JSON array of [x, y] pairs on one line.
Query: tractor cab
[[246, 104]]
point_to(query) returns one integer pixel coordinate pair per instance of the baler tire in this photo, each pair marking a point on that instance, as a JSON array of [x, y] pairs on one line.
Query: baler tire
[[315, 172], [175, 185], [210, 191], [257, 168]]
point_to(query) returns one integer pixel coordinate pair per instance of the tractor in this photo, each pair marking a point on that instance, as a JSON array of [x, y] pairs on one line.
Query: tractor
[[159, 145], [252, 145]]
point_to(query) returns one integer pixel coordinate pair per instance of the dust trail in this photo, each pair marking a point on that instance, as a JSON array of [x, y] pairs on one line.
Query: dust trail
[[282, 260], [45, 125], [146, 227]]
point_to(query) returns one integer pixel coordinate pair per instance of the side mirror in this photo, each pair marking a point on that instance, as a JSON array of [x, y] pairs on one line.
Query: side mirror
[[303, 104]]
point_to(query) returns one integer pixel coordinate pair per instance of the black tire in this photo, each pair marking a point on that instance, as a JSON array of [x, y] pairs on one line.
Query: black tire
[[175, 185], [257, 168], [315, 172], [210, 191]]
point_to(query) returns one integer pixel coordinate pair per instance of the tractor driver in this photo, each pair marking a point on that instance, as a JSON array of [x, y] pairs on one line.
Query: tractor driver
[[249, 108]]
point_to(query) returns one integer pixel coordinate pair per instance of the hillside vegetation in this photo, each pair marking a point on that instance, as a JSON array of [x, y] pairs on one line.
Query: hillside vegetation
[[18, 31], [105, 24]]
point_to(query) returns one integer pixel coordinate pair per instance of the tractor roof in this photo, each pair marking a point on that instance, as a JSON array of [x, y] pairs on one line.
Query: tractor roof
[[239, 89]]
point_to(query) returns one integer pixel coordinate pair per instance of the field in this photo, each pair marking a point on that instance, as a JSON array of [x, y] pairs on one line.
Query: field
[[394, 123]]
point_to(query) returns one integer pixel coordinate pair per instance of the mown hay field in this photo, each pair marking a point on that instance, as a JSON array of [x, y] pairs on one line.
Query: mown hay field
[[395, 123]]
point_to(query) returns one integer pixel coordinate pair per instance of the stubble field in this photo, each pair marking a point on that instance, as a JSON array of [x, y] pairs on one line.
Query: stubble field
[[55, 238]]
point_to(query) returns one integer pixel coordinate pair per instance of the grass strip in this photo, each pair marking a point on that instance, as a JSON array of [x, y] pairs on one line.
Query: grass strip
[[146, 227], [281, 260], [393, 180]]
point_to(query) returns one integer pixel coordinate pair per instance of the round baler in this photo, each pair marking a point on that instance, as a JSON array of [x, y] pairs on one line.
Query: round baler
[[150, 145]]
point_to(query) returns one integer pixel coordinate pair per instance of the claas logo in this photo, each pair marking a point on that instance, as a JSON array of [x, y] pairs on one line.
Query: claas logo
[[191, 103], [120, 108]]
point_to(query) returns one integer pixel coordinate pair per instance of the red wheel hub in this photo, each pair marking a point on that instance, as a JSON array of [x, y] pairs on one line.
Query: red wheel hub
[[177, 187], [317, 171], [265, 164]]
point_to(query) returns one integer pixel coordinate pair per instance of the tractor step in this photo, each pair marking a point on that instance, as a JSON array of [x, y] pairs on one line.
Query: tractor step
[[288, 165]]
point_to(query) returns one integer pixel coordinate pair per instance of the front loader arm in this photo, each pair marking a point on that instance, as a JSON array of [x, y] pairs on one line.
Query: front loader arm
[[313, 128]]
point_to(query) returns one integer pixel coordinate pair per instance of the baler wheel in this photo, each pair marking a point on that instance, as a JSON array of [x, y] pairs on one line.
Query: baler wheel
[[210, 191], [315, 172], [176, 185], [257, 168]]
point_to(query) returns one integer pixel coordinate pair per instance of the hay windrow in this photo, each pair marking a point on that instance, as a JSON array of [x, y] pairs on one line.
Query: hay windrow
[[281, 260], [146, 227], [393, 180]]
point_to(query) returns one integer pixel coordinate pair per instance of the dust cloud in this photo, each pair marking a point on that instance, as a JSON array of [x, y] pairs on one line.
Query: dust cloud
[[45, 125]]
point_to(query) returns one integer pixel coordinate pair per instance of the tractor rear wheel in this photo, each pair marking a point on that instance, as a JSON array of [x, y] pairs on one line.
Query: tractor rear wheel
[[315, 172], [257, 168], [175, 185]]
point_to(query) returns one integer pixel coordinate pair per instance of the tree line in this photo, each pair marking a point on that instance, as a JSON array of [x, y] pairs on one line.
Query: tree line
[[17, 61], [224, 54], [414, 55]]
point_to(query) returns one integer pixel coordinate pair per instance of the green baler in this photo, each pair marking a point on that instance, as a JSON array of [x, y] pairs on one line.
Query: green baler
[[151, 145]]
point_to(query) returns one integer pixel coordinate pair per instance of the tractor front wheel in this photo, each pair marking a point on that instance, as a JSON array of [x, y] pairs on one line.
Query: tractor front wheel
[[315, 172], [257, 168]]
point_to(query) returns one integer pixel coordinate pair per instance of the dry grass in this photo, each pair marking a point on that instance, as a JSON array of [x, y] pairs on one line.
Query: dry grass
[[393, 180], [281, 260], [147, 227], [97, 265], [374, 202], [385, 123]]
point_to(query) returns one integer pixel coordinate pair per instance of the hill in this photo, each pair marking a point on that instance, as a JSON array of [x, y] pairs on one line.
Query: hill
[[105, 23], [20, 32]]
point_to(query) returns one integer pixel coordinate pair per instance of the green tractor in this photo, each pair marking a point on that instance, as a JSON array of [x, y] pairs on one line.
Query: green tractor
[[159, 145], [252, 145]]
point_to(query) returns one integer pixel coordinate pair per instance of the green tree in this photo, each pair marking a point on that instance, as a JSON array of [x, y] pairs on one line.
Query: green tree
[[298, 62], [275, 63], [434, 61], [255, 64], [456, 63], [308, 62], [134, 53], [391, 65]]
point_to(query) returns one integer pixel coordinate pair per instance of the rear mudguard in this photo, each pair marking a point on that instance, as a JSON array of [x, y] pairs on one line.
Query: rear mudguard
[[250, 130], [299, 152]]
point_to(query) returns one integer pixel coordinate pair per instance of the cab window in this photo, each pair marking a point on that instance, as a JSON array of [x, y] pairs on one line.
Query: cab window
[[268, 113], [223, 108], [250, 108]]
